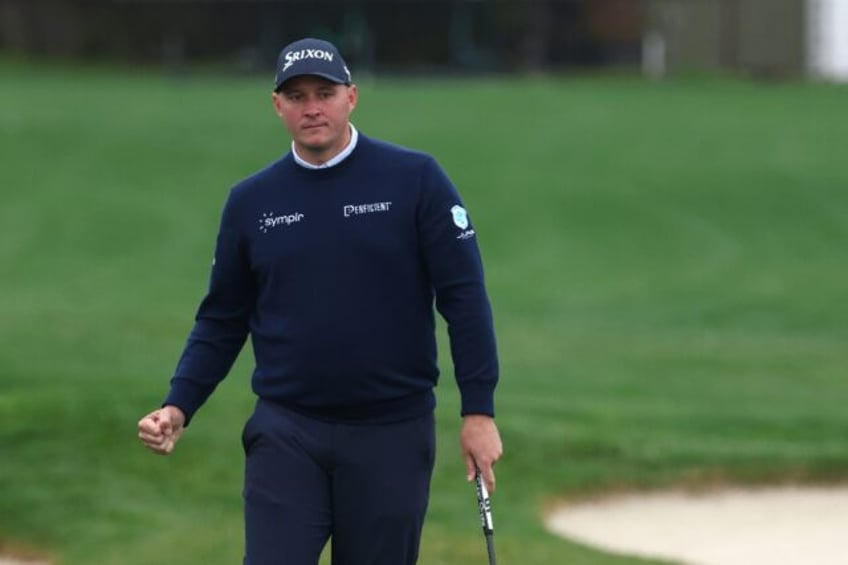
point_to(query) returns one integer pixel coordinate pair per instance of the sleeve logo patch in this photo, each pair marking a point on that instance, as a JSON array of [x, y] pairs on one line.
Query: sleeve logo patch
[[460, 217]]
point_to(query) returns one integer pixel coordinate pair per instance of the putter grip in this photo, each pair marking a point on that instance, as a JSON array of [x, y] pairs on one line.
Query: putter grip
[[485, 505]]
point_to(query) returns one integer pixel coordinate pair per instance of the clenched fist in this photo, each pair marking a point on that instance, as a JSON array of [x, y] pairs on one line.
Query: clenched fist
[[161, 429]]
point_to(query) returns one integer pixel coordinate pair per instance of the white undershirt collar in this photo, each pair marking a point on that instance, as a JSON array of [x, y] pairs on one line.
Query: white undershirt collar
[[354, 137]]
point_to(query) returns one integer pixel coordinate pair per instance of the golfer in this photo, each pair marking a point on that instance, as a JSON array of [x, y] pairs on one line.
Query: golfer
[[331, 259]]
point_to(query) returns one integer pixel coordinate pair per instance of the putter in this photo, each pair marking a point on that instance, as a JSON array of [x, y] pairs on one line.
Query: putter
[[485, 506]]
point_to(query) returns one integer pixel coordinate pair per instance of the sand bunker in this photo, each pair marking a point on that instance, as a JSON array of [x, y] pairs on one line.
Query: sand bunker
[[775, 526]]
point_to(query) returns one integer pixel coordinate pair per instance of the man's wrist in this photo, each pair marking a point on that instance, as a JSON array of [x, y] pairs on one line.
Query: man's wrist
[[178, 415]]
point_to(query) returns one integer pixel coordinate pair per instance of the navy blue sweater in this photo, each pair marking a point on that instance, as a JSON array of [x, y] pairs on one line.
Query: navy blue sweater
[[333, 273]]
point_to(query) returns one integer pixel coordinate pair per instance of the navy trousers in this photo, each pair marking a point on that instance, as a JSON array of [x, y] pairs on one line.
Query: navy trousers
[[306, 481]]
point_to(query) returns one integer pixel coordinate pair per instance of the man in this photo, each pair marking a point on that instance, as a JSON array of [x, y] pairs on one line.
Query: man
[[330, 258]]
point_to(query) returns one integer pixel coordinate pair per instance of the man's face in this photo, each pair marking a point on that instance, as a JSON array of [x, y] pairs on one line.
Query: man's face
[[316, 113]]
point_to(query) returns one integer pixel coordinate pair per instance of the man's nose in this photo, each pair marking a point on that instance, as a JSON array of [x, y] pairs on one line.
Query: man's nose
[[312, 107]]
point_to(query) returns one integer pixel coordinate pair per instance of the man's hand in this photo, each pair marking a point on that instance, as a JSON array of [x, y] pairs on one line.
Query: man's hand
[[161, 429], [481, 447]]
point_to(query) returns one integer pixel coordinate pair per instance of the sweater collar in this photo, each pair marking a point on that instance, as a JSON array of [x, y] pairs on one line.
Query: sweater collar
[[354, 137]]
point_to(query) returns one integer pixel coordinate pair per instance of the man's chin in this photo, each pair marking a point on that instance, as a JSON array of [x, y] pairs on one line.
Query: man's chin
[[315, 144]]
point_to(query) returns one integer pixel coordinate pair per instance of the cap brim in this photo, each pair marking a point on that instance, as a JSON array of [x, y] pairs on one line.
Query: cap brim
[[326, 76]]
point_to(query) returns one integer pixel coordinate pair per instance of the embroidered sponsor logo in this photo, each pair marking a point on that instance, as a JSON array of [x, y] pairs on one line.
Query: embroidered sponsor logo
[[460, 217], [269, 220], [358, 209], [293, 56], [466, 234]]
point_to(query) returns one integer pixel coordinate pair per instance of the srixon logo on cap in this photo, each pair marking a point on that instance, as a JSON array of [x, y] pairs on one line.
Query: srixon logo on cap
[[293, 56]]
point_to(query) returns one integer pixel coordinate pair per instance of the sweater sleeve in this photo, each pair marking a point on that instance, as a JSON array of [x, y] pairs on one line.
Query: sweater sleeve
[[222, 321], [453, 262]]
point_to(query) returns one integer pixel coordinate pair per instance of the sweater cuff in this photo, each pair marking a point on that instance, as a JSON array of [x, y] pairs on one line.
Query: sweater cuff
[[187, 396], [478, 398]]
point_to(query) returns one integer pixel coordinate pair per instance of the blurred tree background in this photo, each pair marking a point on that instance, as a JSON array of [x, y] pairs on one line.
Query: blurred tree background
[[381, 34], [763, 37]]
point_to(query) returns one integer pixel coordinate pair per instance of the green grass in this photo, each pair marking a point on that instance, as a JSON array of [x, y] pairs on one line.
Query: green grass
[[667, 264]]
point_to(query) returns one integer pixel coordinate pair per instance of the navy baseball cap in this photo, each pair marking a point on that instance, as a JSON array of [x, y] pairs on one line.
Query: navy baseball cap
[[311, 57]]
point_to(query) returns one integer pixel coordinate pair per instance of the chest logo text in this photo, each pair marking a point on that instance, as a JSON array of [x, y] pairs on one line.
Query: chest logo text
[[270, 220], [359, 209]]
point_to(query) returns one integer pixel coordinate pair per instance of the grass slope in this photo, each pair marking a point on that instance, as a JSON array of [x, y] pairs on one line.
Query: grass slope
[[666, 262]]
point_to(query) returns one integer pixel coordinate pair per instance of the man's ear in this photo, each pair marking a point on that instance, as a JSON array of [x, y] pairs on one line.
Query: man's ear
[[277, 100], [352, 96]]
